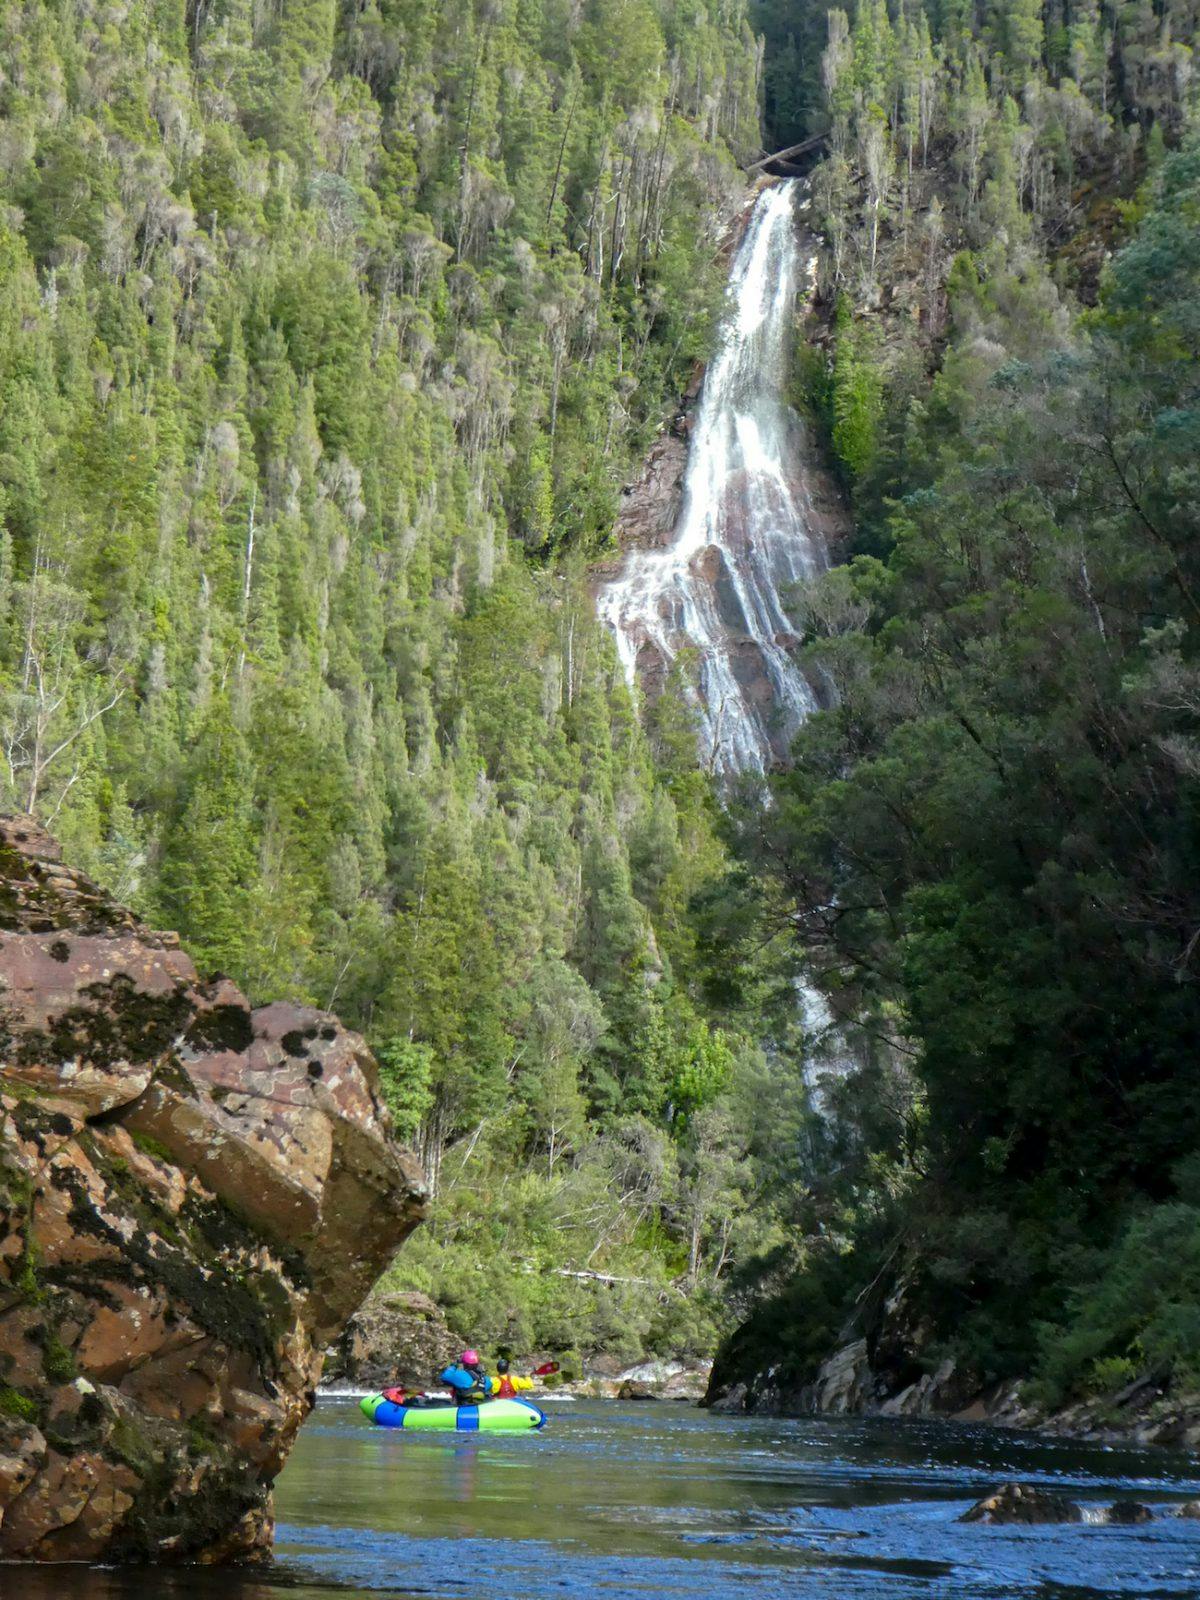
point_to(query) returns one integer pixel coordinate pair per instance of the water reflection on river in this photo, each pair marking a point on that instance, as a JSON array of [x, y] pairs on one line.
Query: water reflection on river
[[663, 1500]]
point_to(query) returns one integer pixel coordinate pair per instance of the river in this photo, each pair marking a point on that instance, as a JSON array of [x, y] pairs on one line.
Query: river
[[625, 1502]]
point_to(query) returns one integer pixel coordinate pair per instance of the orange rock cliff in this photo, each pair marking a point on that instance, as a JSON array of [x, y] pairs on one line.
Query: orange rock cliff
[[194, 1198]]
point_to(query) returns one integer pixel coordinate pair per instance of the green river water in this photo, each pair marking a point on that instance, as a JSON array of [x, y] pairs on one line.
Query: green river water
[[624, 1502]]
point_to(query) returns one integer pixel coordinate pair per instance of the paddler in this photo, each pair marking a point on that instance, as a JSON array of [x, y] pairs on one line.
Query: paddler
[[509, 1384], [467, 1381]]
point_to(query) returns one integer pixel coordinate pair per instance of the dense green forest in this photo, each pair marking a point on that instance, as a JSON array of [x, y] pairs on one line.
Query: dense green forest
[[329, 333], [989, 843]]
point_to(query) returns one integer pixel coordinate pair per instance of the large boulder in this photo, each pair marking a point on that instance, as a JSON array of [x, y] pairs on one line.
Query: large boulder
[[398, 1337], [632, 1390], [194, 1197]]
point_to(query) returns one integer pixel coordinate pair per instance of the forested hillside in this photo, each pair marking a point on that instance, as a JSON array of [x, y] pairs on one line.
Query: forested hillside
[[989, 843], [328, 336]]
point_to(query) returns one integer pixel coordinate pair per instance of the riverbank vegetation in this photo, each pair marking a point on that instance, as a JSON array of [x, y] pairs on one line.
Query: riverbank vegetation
[[989, 843]]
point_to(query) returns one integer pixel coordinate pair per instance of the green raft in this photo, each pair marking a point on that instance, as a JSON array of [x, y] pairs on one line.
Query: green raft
[[493, 1416]]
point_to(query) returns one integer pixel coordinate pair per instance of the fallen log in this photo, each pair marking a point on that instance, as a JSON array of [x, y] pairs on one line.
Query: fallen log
[[805, 145]]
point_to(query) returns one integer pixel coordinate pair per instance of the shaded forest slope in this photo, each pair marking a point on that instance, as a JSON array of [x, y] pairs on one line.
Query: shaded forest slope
[[988, 847]]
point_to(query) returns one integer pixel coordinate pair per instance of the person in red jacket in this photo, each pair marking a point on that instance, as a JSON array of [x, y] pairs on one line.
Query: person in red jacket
[[509, 1384]]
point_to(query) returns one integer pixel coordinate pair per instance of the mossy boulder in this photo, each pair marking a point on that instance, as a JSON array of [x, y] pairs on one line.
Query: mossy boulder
[[194, 1198]]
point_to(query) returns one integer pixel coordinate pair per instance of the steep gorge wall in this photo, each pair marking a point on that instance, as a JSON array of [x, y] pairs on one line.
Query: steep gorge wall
[[194, 1197]]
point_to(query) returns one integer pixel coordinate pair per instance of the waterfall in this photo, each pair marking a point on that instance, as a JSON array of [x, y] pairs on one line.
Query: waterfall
[[746, 528]]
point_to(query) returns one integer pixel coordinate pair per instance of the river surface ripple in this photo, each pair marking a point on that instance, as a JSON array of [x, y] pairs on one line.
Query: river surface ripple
[[624, 1502]]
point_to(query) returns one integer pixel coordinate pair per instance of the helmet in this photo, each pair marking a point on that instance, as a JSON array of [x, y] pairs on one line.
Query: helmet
[[469, 1358], [502, 1365]]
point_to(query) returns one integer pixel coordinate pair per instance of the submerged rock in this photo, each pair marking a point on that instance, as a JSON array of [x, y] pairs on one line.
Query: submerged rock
[[194, 1197], [1023, 1503]]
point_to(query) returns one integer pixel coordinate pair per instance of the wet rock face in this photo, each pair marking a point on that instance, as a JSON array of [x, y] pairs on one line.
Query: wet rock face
[[650, 507], [194, 1197]]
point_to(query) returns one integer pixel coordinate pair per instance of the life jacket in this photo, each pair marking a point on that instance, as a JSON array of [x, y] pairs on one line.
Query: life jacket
[[396, 1396], [467, 1387], [507, 1389]]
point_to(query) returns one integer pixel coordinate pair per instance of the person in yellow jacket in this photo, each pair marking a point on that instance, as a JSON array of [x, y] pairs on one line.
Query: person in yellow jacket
[[509, 1384]]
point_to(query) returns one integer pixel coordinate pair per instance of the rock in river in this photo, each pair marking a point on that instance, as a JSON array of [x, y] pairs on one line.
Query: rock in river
[[194, 1197], [1024, 1502]]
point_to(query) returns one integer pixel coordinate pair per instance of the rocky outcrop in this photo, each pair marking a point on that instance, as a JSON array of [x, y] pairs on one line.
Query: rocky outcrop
[[665, 1380], [650, 505], [1147, 1411], [604, 1377], [194, 1196], [883, 1368], [399, 1337], [1027, 1505]]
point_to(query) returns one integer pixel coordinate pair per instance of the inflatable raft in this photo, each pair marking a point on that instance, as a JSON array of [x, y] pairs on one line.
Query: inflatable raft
[[494, 1416]]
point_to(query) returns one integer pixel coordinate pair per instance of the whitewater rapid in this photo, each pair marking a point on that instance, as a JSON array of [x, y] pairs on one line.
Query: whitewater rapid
[[746, 530]]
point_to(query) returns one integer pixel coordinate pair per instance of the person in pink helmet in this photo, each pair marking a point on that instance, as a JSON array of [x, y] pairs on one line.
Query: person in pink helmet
[[466, 1379]]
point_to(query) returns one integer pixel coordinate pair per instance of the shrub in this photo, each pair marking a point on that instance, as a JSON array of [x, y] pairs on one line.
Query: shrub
[[1138, 1312]]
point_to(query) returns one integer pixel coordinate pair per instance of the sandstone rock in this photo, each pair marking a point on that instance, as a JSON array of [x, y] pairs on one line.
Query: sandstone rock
[[1023, 1503], [22, 1453], [399, 1337], [194, 1196]]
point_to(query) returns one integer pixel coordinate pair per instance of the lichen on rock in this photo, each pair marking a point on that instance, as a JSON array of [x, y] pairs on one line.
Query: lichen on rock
[[194, 1198]]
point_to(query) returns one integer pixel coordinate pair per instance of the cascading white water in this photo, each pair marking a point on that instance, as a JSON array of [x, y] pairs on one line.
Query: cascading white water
[[746, 529]]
